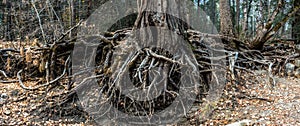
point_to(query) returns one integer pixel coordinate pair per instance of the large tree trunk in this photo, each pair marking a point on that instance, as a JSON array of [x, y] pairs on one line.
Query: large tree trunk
[[161, 14], [156, 20], [226, 19], [158, 33], [226, 25]]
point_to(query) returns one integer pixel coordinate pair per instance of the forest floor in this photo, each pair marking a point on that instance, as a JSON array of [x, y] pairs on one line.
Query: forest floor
[[260, 103], [257, 103]]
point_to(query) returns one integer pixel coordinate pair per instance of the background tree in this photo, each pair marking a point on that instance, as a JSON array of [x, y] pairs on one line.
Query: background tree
[[265, 31], [237, 18], [246, 11], [261, 19], [296, 23]]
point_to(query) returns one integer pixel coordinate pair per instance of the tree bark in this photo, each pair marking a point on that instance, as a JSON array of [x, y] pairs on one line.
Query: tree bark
[[162, 15], [225, 19], [226, 25]]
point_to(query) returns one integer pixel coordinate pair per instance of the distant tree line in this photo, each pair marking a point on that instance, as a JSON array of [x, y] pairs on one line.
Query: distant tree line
[[47, 19], [41, 19]]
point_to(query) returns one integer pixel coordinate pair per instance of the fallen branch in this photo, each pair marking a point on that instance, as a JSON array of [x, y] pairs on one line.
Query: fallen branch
[[9, 81], [242, 96], [3, 73], [161, 57], [43, 85]]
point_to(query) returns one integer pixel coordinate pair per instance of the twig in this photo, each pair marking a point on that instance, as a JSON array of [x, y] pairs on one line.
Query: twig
[[200, 34], [66, 33], [270, 75], [9, 49], [47, 67], [161, 57], [9, 81], [59, 20], [3, 73]]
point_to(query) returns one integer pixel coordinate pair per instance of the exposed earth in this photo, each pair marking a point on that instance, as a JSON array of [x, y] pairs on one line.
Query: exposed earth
[[255, 102]]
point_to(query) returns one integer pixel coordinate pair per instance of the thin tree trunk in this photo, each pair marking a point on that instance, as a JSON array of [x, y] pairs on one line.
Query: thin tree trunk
[[213, 15], [237, 18], [296, 23], [204, 7], [282, 29], [247, 8], [8, 35], [71, 6]]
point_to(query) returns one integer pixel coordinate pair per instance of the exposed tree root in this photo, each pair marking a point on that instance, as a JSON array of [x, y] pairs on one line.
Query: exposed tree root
[[53, 65]]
